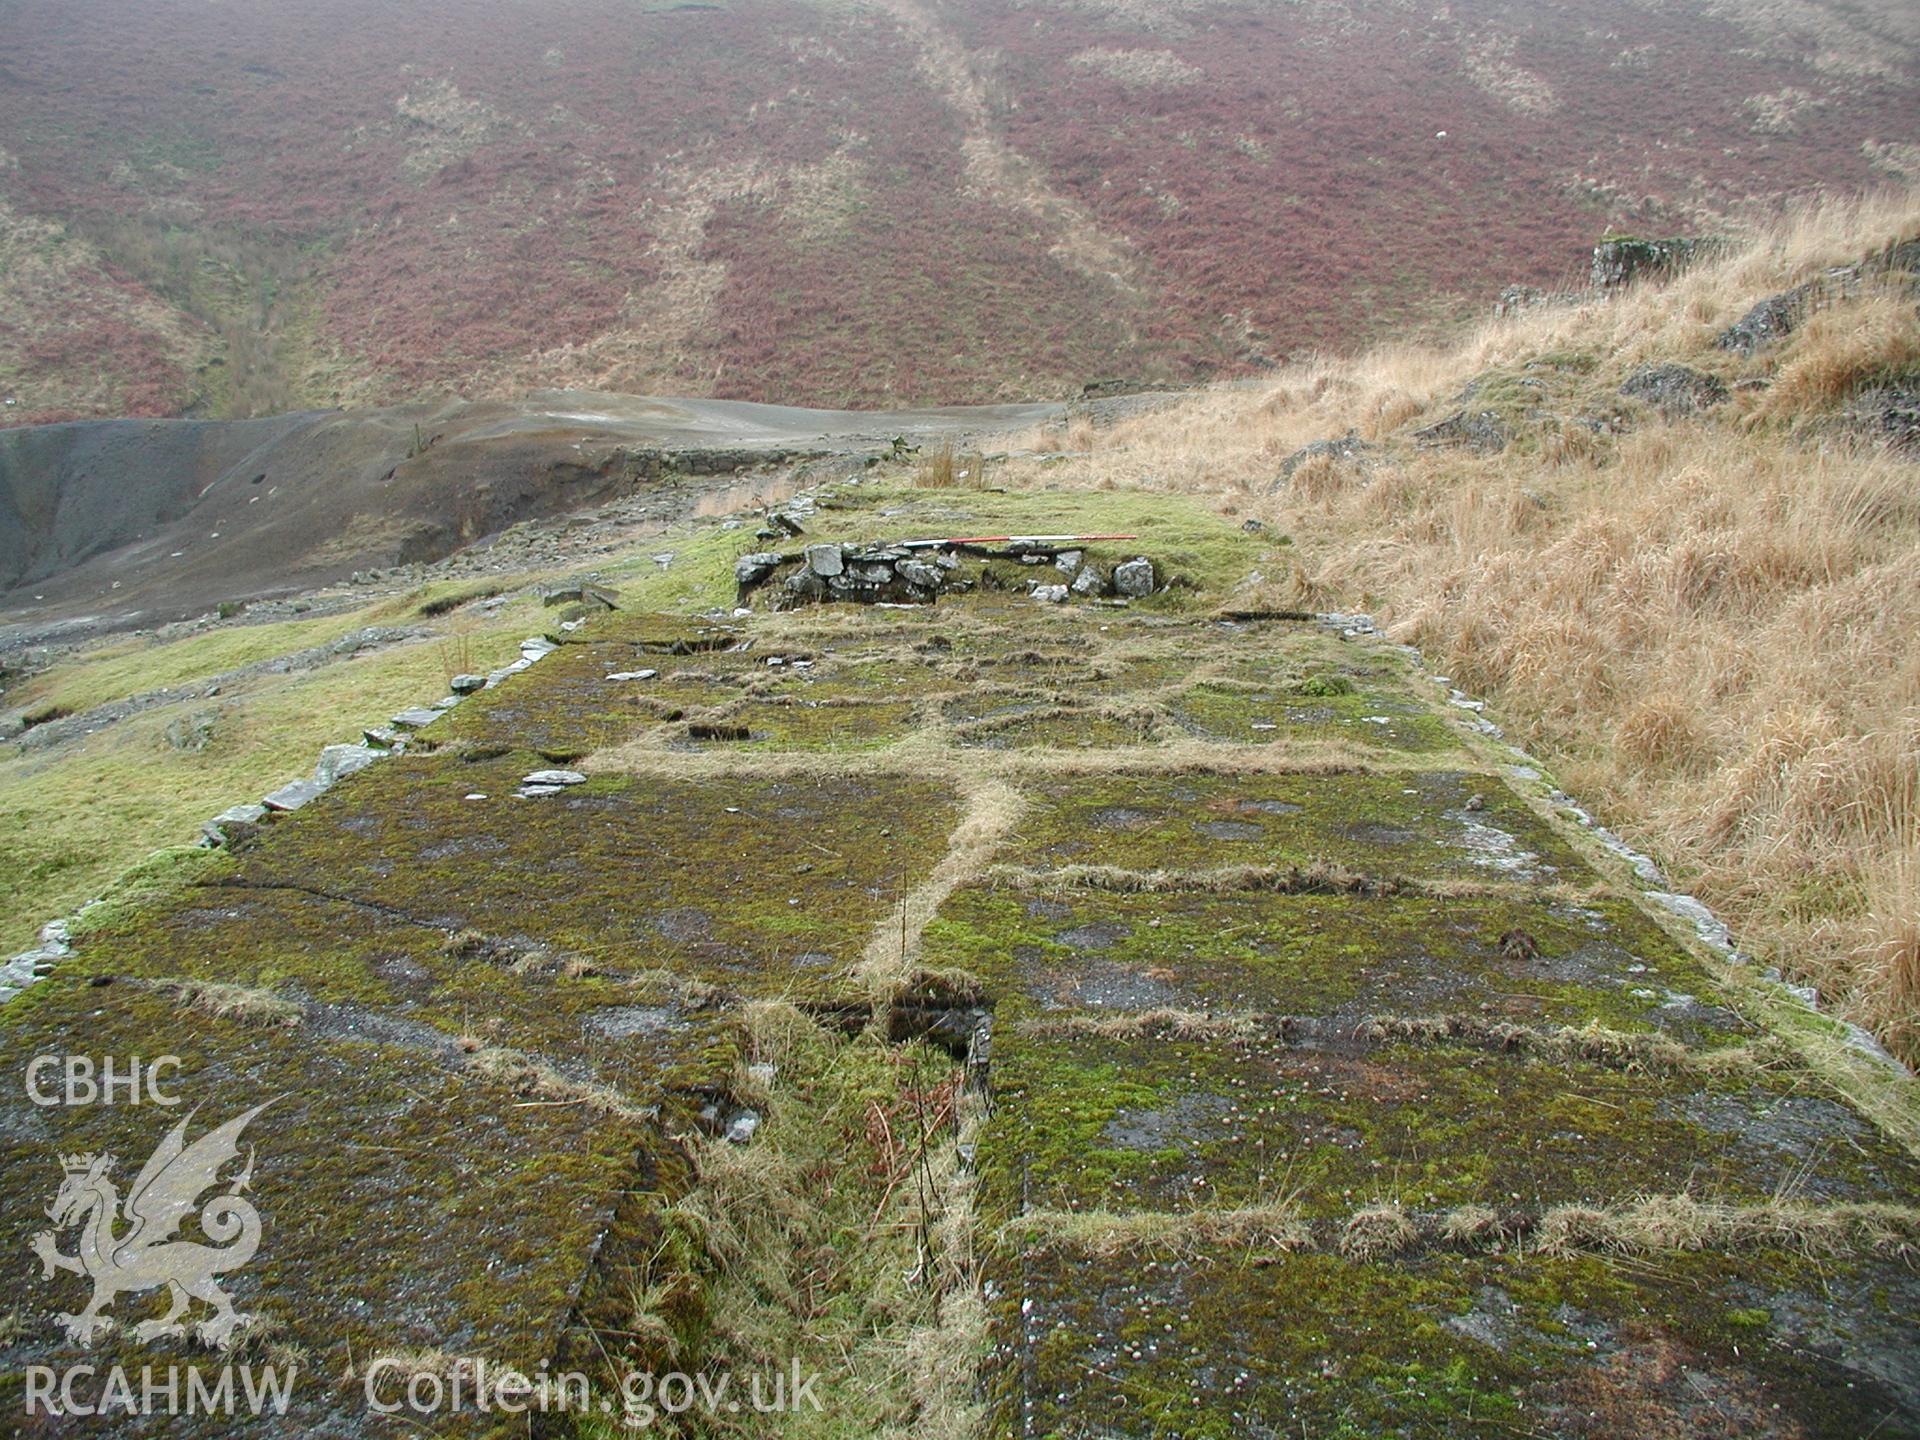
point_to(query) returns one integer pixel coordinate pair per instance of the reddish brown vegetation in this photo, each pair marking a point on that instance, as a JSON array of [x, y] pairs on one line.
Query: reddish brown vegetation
[[1291, 195]]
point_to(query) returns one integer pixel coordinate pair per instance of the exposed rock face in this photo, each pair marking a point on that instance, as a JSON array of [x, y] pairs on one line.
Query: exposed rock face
[[1621, 259], [1766, 322], [1890, 413], [1674, 390], [1349, 447], [1780, 315], [1480, 430], [193, 733]]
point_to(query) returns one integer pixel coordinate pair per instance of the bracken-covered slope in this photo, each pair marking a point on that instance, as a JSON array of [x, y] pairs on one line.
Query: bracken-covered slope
[[1074, 1020], [238, 209]]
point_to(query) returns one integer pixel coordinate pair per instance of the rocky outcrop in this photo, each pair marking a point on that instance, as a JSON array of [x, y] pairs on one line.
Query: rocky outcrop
[[1349, 448], [1620, 260], [1675, 391], [1778, 316], [1890, 413], [1481, 430]]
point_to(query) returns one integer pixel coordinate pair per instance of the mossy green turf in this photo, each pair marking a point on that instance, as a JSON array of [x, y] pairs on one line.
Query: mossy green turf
[[1443, 1345], [353, 966], [766, 885], [1344, 957], [430, 1206], [1098, 1122], [1413, 825]]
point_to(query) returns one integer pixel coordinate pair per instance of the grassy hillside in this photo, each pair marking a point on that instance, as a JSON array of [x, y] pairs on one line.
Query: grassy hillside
[[247, 208], [1706, 623]]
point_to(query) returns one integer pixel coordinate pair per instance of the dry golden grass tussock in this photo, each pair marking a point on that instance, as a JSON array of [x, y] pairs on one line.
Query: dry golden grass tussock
[[1105, 1233], [1840, 349], [230, 1002], [1162, 1023], [1656, 1223], [541, 1084], [1706, 626], [1378, 1231]]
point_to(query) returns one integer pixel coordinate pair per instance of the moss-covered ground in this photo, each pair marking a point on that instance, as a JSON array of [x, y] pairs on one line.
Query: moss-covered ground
[[1339, 957], [1112, 1006]]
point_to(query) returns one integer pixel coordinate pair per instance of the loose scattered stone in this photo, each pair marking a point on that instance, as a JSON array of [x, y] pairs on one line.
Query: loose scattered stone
[[633, 675], [740, 1131], [1135, 577], [554, 778], [593, 596], [1050, 594]]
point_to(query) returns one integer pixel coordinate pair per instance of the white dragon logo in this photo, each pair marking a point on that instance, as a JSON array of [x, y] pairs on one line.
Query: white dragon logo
[[146, 1256]]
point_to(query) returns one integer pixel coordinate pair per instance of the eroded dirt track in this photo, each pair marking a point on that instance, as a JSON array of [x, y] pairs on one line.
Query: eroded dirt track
[[1332, 1090]]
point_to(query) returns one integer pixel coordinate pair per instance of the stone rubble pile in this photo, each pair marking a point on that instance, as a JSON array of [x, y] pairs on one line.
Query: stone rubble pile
[[919, 572]]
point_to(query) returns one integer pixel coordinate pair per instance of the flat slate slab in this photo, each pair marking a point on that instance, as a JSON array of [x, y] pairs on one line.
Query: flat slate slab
[[294, 795]]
